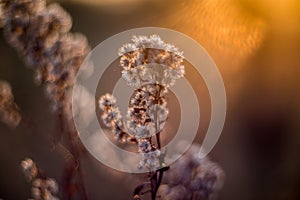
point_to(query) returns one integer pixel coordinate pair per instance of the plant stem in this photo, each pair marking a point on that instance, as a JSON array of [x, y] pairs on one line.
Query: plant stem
[[158, 140], [74, 150]]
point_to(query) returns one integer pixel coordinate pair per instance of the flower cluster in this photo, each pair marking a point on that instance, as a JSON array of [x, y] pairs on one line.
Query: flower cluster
[[146, 117], [191, 178], [150, 60], [147, 111], [2, 12], [111, 117], [29, 169], [43, 188], [41, 35], [151, 159], [151, 66], [9, 111]]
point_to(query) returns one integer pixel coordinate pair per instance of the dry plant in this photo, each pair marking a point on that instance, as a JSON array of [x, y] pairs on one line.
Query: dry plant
[[151, 66], [43, 187], [40, 33], [9, 111]]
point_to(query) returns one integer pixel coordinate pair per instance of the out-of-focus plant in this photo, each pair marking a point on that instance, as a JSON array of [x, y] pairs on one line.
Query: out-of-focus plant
[[9, 111], [192, 178], [43, 188], [40, 34]]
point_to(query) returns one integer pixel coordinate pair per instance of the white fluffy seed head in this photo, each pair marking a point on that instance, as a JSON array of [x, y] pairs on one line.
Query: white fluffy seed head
[[29, 169], [150, 60], [196, 178]]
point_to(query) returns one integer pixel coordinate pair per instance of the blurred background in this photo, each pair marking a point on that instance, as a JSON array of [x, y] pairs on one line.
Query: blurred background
[[255, 44]]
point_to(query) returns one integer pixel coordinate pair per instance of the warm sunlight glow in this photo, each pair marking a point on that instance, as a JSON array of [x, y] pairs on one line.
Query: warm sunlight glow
[[226, 30]]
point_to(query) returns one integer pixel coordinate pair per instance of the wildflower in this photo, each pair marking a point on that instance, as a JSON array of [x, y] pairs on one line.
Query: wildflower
[[191, 178], [150, 160], [143, 42], [158, 115], [132, 76], [137, 115], [106, 101], [40, 33], [144, 145], [144, 131], [29, 169], [43, 188], [152, 66], [2, 13], [170, 75], [111, 117], [51, 185], [9, 111], [150, 60]]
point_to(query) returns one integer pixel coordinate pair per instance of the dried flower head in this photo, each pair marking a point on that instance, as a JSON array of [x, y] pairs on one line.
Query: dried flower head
[[147, 112], [151, 66], [40, 33], [151, 160], [107, 100], [112, 118], [158, 114], [144, 145], [192, 178], [29, 169], [150, 60], [3, 14], [9, 111], [43, 188]]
